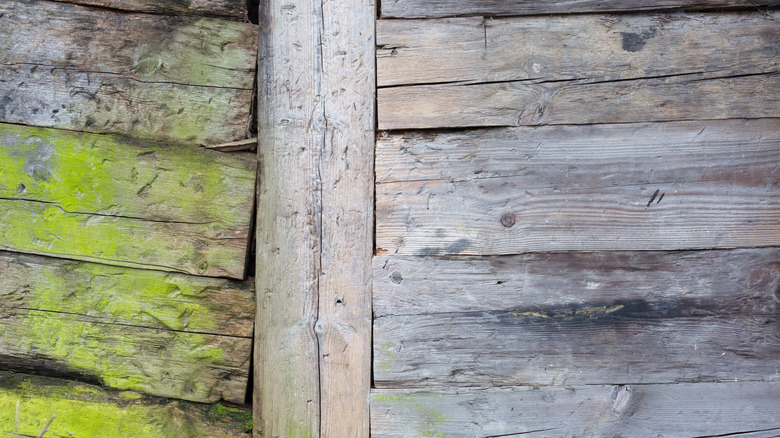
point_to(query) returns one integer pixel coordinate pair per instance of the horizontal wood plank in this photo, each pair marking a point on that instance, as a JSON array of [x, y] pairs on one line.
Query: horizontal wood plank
[[741, 281], [477, 50], [232, 9], [699, 96], [747, 409], [174, 79], [450, 8], [619, 187], [84, 410], [126, 202]]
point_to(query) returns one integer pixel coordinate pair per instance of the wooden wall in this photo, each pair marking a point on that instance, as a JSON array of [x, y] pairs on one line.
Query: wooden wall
[[577, 219], [123, 242]]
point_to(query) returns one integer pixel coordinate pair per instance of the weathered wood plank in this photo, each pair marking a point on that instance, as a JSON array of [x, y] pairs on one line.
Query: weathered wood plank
[[89, 411], [289, 220], [174, 79], [580, 188], [699, 96], [166, 363], [115, 295], [119, 201], [232, 9], [450, 8], [740, 279], [347, 151], [705, 409], [559, 48]]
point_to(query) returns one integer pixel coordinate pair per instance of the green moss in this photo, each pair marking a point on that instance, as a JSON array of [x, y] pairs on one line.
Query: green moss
[[220, 412], [428, 421]]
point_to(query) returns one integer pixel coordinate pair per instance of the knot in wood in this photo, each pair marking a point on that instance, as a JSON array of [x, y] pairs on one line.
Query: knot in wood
[[508, 220]]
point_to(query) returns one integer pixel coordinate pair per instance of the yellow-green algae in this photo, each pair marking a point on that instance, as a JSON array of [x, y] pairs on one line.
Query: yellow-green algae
[[427, 420], [114, 200], [86, 411]]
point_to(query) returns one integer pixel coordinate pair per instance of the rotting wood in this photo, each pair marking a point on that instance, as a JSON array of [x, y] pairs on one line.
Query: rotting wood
[[449, 8], [346, 169], [133, 297], [126, 202], [231, 9], [698, 96], [747, 409], [291, 133], [741, 280], [561, 48], [594, 191], [177, 79], [90, 411]]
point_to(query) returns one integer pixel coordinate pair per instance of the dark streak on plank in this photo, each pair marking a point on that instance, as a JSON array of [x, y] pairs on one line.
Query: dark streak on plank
[[703, 409], [231, 9]]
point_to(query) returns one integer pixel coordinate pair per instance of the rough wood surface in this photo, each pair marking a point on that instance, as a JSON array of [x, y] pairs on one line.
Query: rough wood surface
[[698, 96], [178, 79], [118, 201], [346, 170], [740, 279], [291, 134], [594, 47], [91, 411], [232, 9], [745, 409], [506, 191], [449, 8]]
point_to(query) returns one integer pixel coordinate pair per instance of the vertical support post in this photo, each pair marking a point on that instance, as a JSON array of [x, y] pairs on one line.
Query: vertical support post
[[315, 218]]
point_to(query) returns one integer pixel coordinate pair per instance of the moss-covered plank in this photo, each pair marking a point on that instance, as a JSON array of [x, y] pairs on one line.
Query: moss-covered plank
[[176, 79], [116, 295], [166, 363], [231, 9], [88, 411], [125, 202]]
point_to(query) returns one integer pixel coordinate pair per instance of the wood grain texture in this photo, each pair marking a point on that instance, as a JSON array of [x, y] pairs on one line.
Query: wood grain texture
[[346, 169], [125, 202], [89, 410], [484, 192], [165, 334], [231, 9], [291, 133], [174, 79], [577, 318], [699, 96], [705, 409], [449, 8], [477, 50]]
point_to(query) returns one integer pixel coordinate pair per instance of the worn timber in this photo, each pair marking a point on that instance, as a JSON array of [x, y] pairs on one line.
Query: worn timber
[[745, 409], [231, 9], [569, 318], [604, 187], [173, 79], [166, 334], [127, 202], [84, 410], [490, 8]]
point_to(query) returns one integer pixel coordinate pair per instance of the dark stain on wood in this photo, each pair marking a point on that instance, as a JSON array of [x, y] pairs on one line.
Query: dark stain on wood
[[634, 42]]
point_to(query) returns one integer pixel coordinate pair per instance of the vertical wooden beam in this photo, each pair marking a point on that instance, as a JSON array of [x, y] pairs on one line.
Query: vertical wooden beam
[[291, 134], [344, 326], [315, 219]]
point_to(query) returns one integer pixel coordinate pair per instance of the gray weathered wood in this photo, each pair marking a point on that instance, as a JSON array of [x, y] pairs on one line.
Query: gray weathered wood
[[580, 188], [126, 202], [232, 9], [291, 134], [347, 178], [738, 279], [698, 96], [449, 8], [174, 79], [746, 409], [85, 410], [593, 47]]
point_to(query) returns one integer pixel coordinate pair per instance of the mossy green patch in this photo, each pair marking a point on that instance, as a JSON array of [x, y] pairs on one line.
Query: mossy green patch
[[427, 419], [220, 412]]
